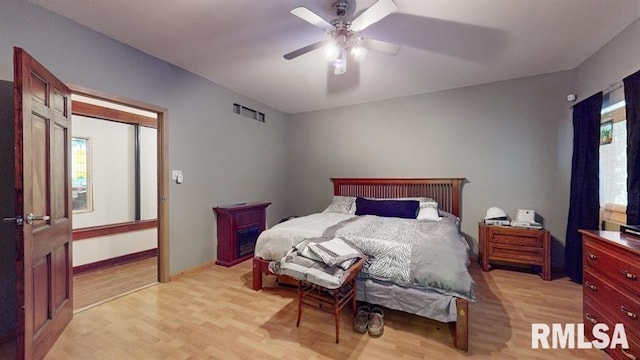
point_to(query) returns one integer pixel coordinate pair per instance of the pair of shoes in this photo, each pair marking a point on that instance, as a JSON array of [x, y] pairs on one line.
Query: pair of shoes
[[369, 319], [361, 320], [376, 322]]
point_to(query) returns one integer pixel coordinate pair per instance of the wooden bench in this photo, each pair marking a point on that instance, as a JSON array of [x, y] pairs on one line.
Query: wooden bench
[[330, 299]]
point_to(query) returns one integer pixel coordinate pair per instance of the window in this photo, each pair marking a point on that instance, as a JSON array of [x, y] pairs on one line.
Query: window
[[613, 157], [81, 194]]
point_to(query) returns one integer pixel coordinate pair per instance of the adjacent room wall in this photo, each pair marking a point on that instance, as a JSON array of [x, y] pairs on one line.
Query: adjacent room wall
[[225, 158], [502, 137], [111, 173], [112, 176], [88, 251]]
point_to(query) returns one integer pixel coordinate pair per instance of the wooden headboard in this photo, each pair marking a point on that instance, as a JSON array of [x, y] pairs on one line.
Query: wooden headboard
[[447, 192]]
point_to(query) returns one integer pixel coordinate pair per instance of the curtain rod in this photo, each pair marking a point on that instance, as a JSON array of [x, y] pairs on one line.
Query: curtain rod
[[613, 87]]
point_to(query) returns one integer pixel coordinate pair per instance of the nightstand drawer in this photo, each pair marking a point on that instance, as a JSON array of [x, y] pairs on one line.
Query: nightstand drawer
[[612, 263], [512, 252], [520, 240]]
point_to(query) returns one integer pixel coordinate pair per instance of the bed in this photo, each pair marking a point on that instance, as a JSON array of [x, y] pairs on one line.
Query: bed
[[451, 307]]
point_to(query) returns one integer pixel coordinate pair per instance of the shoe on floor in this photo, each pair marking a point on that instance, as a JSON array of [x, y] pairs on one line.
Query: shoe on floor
[[361, 320], [376, 322]]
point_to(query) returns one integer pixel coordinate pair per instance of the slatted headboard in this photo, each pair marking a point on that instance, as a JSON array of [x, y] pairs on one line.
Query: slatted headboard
[[447, 192]]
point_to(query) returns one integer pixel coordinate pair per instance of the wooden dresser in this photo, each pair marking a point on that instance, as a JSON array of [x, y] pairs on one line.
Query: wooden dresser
[[515, 245], [611, 286]]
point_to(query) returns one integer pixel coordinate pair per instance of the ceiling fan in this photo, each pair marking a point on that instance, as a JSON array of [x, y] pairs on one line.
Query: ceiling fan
[[344, 34]]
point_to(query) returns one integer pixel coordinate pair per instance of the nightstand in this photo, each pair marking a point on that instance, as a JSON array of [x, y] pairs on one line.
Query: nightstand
[[515, 245]]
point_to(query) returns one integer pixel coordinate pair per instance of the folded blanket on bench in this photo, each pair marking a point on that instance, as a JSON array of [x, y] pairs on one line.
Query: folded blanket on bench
[[310, 259]]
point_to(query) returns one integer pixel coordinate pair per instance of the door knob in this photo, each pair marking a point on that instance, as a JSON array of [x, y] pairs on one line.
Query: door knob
[[31, 218]]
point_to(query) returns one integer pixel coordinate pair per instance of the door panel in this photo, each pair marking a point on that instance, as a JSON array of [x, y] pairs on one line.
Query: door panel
[[59, 195], [39, 166], [59, 282], [40, 296], [42, 143]]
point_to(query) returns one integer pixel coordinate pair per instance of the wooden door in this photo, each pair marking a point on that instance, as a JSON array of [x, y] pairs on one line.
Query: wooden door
[[42, 128]]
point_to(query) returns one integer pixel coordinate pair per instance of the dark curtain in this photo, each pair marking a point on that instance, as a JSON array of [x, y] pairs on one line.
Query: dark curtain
[[632, 99], [584, 203]]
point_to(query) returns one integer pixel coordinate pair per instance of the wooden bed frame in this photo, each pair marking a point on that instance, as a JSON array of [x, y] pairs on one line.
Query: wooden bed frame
[[446, 191]]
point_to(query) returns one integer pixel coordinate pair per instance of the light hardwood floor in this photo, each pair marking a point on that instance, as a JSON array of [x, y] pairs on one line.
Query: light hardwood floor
[[97, 286], [214, 314]]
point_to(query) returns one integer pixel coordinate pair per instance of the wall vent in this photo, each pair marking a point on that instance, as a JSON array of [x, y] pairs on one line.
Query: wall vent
[[247, 112]]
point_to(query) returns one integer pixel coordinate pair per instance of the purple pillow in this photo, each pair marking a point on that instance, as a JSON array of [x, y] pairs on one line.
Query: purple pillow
[[406, 209]]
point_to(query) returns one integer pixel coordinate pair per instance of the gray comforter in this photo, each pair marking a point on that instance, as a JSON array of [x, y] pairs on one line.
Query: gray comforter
[[411, 253]]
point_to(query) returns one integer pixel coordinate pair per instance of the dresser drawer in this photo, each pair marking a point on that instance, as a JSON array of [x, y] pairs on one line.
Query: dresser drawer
[[509, 252], [591, 316], [621, 306], [612, 263]]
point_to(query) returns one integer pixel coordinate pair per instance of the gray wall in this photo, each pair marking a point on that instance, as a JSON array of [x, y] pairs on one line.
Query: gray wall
[[502, 137], [512, 140], [7, 209], [225, 158], [616, 60]]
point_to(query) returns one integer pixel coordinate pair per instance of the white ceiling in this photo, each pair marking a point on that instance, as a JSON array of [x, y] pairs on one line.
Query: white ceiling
[[445, 43]]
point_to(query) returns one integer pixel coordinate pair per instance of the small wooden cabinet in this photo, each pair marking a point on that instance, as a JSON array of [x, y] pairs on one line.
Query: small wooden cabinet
[[611, 287], [238, 228], [515, 245]]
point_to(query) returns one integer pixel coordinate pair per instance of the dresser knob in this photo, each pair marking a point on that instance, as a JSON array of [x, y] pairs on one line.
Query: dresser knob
[[628, 354], [592, 256], [590, 318], [629, 313], [590, 286], [629, 275]]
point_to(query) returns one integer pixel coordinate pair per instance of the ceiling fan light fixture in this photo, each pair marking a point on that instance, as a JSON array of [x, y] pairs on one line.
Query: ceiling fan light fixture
[[332, 51], [358, 53], [343, 33]]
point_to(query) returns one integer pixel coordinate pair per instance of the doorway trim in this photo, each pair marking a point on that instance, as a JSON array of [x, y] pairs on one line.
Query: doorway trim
[[162, 170]]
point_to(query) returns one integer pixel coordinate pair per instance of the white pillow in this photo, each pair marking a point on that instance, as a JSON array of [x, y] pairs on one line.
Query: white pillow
[[428, 213], [342, 205]]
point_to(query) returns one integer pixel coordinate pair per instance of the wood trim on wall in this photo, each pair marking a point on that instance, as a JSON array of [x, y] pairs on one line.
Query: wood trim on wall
[[118, 260], [112, 229], [163, 197], [194, 270], [105, 113]]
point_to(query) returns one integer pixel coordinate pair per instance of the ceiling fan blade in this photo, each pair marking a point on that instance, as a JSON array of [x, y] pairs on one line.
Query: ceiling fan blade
[[375, 13], [312, 18], [380, 46], [304, 50]]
